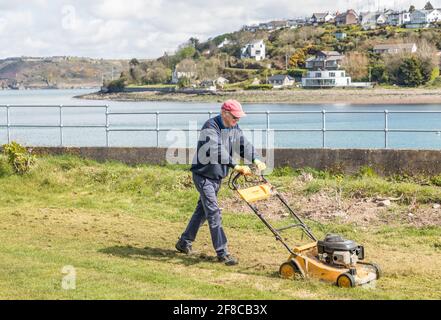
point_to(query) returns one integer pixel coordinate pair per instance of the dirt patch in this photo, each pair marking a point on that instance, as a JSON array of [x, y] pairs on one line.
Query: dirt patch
[[326, 206]]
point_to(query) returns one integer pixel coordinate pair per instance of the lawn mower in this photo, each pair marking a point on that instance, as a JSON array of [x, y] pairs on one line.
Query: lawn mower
[[333, 259]]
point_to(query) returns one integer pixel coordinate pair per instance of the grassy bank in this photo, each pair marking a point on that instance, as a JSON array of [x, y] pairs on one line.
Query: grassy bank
[[117, 226]]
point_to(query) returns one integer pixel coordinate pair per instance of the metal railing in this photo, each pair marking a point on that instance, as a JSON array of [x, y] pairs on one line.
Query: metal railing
[[157, 129]]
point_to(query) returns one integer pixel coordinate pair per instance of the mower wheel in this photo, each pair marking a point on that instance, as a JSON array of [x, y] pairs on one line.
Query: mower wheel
[[346, 280], [377, 270], [288, 270]]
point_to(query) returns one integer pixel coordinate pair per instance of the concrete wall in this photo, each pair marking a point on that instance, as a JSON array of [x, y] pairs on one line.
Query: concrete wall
[[383, 161]]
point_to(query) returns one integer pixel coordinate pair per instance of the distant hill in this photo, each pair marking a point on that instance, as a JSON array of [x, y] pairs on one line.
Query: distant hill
[[58, 72]]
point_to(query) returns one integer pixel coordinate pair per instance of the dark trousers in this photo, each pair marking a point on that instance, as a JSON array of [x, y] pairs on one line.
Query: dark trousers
[[207, 209]]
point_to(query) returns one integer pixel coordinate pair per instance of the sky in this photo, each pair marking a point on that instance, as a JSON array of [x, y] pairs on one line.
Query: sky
[[145, 29]]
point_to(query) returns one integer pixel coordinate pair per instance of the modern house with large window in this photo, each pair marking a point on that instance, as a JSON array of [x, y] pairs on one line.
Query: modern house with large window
[[324, 71], [254, 50]]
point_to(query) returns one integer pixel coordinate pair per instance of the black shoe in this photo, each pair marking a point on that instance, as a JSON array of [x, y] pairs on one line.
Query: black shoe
[[183, 248], [228, 260]]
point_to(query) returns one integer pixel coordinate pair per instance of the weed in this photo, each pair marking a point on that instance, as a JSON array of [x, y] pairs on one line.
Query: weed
[[19, 157]]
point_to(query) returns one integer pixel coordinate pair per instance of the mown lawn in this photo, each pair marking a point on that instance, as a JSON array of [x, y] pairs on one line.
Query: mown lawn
[[117, 226]]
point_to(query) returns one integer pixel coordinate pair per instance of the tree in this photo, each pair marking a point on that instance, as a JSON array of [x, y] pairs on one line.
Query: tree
[[409, 72], [298, 59], [412, 8], [428, 6], [356, 65], [134, 62], [379, 73]]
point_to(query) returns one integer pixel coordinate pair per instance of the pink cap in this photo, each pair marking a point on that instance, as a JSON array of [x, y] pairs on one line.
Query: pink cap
[[234, 107]]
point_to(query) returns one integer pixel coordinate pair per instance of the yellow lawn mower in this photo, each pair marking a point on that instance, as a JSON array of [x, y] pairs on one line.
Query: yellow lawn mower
[[334, 259]]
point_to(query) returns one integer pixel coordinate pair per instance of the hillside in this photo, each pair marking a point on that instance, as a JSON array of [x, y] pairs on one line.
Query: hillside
[[286, 51], [58, 72]]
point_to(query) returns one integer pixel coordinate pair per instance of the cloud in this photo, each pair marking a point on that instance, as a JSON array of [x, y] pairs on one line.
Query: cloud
[[143, 29]]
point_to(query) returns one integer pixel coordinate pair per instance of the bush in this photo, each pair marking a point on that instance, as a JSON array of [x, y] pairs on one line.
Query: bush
[[116, 85], [18, 157], [259, 87], [296, 73]]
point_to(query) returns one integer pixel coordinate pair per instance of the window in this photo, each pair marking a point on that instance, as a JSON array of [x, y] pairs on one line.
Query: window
[[318, 75], [332, 74]]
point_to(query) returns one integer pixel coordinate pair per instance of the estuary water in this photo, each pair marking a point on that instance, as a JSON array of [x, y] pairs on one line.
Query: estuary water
[[345, 125]]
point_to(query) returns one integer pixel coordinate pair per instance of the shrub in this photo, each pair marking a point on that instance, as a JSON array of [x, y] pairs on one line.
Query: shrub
[[116, 85], [18, 157], [259, 87], [296, 73]]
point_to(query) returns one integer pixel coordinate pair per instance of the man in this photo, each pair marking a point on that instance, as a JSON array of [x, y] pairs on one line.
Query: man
[[219, 137]]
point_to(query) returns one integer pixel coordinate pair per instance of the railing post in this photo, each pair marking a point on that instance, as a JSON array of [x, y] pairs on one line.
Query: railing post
[[267, 129], [61, 124], [157, 129], [323, 129], [107, 125], [8, 123], [386, 129], [210, 113]]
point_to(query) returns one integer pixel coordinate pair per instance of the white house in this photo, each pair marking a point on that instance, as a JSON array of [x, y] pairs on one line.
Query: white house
[[398, 18], [281, 80], [326, 78], [321, 17], [254, 50], [370, 20], [324, 71]]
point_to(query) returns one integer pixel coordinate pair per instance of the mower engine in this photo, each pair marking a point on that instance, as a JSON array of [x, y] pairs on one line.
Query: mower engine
[[337, 251]]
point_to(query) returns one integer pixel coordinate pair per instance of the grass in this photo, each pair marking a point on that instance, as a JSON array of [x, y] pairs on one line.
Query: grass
[[117, 226]]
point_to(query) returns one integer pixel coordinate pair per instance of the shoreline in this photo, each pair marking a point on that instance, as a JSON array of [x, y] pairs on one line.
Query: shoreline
[[296, 96]]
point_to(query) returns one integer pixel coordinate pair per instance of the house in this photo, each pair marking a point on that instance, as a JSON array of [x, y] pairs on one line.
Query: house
[[281, 80], [254, 50], [346, 18], [325, 60], [251, 28], [319, 18], [340, 35], [423, 18], [221, 81], [395, 48], [276, 25], [224, 43], [292, 24], [185, 69], [324, 71], [208, 84], [398, 18], [370, 20]]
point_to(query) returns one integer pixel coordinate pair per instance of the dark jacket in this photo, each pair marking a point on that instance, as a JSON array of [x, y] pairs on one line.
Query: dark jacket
[[217, 144]]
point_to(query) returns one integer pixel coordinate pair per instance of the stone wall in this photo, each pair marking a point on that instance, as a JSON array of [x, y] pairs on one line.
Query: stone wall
[[383, 161]]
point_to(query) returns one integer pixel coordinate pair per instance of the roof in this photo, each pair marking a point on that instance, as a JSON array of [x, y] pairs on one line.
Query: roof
[[394, 46], [280, 77], [320, 15]]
